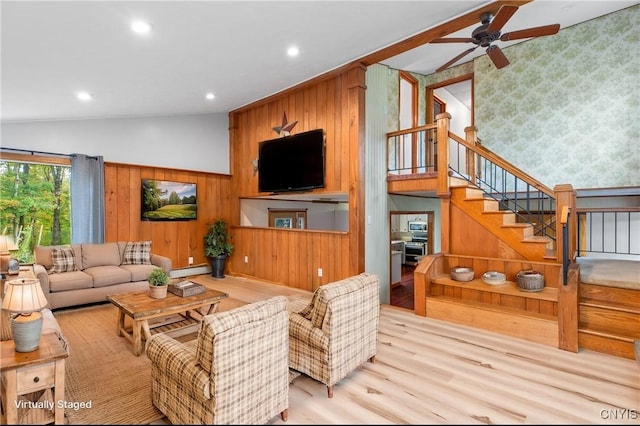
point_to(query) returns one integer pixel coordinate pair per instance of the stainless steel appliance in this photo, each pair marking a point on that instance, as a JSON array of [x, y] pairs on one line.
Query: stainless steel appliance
[[415, 248], [412, 251], [417, 226]]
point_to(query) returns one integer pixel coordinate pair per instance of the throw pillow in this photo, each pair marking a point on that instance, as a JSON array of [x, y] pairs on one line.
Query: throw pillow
[[62, 260], [137, 253]]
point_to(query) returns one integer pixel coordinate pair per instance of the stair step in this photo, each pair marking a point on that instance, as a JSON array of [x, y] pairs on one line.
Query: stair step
[[606, 343], [537, 239], [489, 204], [610, 305], [602, 319], [606, 335]]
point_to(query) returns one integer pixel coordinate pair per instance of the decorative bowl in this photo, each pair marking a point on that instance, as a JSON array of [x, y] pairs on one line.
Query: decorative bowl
[[461, 274], [530, 280], [493, 278]]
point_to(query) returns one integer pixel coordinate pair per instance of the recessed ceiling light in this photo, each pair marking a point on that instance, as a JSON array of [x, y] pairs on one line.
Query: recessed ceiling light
[[210, 96], [293, 51], [84, 96], [140, 27]]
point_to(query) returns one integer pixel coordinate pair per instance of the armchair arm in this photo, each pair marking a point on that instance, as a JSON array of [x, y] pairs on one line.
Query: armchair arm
[[161, 262], [178, 365], [301, 328]]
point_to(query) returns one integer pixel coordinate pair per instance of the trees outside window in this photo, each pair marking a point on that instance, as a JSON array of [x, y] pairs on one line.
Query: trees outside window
[[35, 205]]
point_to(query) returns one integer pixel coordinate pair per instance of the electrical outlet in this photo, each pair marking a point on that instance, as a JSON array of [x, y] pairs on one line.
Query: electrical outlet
[[246, 259], [190, 260], [320, 272]]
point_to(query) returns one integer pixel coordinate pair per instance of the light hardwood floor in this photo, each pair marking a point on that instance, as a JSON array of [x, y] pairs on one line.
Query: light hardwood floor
[[432, 372]]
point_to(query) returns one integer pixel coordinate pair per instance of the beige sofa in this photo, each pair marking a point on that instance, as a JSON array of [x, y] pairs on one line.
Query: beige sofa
[[78, 274]]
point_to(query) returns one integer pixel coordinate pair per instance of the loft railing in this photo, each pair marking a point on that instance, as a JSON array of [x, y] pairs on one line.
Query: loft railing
[[412, 151], [612, 232]]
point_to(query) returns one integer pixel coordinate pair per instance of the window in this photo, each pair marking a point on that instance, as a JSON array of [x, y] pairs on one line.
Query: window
[[35, 205], [283, 218]]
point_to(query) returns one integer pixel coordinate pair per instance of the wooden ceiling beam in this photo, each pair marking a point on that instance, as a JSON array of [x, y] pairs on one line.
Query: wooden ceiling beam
[[439, 31]]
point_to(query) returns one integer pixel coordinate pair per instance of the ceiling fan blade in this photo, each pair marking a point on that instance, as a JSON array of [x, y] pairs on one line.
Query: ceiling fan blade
[[531, 32], [504, 14], [452, 40], [497, 57], [456, 59]]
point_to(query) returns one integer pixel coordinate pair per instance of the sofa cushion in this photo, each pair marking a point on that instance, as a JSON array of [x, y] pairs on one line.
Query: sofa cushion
[[139, 272], [137, 253], [63, 260], [42, 255], [108, 275], [106, 254], [69, 281]]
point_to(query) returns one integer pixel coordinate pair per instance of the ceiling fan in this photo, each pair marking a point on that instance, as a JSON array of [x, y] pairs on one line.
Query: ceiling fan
[[489, 32]]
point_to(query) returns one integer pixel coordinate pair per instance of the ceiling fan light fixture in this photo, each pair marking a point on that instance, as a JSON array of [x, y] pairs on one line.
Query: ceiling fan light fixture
[[489, 31]]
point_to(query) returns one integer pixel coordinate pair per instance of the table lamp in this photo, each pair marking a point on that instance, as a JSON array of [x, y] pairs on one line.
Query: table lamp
[[24, 297], [6, 244]]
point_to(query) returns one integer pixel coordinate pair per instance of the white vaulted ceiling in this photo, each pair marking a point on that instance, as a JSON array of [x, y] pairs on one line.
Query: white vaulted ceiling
[[236, 49]]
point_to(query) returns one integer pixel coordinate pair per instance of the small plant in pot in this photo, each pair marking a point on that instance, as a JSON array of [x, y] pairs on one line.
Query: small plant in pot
[[217, 247], [158, 281]]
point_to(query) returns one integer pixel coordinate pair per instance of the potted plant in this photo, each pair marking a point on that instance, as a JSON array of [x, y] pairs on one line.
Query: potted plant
[[158, 281], [217, 247]]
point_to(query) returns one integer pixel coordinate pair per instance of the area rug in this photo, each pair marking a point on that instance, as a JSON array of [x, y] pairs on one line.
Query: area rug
[[101, 371], [104, 380], [107, 383]]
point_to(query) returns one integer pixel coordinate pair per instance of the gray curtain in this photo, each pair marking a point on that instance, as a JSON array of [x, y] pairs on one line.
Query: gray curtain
[[87, 199]]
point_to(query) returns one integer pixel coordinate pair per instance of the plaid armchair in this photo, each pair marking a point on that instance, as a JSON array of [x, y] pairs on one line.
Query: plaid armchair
[[337, 331], [236, 372]]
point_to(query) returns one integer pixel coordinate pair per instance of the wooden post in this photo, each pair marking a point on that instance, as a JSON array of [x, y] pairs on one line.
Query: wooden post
[[568, 310], [442, 138], [471, 136], [566, 197]]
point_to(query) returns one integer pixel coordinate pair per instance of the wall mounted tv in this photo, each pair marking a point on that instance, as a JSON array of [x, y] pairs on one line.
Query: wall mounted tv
[[292, 163], [167, 200]]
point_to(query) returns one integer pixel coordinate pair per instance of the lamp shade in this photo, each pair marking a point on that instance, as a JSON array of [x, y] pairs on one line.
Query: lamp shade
[[24, 295], [7, 244]]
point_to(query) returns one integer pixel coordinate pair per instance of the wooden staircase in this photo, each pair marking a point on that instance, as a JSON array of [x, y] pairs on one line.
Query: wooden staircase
[[609, 319], [516, 239]]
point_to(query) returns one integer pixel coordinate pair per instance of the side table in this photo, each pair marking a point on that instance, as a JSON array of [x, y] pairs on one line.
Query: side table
[[25, 374]]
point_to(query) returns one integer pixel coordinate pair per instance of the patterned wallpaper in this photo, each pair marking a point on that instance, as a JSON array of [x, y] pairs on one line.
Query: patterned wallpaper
[[566, 109], [573, 97]]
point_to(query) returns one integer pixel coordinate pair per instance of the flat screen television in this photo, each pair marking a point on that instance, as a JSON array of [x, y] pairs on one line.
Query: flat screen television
[[292, 163], [168, 200]]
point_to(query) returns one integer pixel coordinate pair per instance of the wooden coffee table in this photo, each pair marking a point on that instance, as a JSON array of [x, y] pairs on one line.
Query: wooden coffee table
[[148, 313]]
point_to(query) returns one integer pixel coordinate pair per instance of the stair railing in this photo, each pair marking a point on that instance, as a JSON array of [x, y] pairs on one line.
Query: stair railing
[[416, 150], [529, 199]]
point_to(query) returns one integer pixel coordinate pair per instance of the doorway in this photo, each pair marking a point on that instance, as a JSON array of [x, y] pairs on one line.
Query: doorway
[[407, 248]]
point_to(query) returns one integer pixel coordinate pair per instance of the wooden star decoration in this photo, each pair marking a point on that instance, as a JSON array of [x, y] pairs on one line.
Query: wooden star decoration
[[286, 127]]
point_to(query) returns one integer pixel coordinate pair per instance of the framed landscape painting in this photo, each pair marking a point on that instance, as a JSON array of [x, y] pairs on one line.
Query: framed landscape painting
[[163, 200]]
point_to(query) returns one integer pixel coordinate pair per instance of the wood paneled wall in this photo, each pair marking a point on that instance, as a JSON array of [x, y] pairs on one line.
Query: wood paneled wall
[[176, 240], [301, 252], [336, 104]]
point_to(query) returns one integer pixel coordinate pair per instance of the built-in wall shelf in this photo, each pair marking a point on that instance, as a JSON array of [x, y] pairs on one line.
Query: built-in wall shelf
[[509, 288]]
